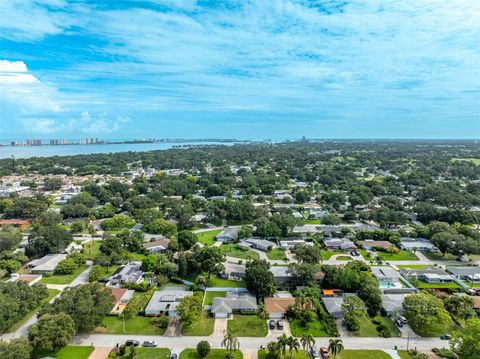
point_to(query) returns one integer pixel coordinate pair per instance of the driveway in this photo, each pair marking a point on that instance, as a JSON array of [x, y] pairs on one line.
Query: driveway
[[174, 328], [220, 328], [100, 353], [275, 333]]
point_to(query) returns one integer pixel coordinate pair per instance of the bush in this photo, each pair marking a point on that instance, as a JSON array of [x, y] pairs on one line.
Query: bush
[[161, 322], [351, 322], [444, 353], [376, 321], [383, 331], [203, 348]]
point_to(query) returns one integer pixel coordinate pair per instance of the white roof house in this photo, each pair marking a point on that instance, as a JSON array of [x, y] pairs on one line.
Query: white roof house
[[166, 301], [419, 244], [46, 264]]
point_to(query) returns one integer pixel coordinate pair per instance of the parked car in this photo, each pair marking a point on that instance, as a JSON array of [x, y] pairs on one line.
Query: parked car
[[446, 337], [403, 319], [132, 342], [399, 323], [355, 253], [314, 353], [173, 356], [271, 324], [280, 324], [149, 343], [324, 353]]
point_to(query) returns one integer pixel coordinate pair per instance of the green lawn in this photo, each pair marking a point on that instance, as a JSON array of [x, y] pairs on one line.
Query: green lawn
[[369, 329], [262, 354], [208, 237], [403, 354], [149, 353], [315, 328], [327, 254], [364, 253], [473, 160], [136, 325], [63, 278], [401, 256], [343, 258], [210, 295], [68, 352], [414, 266], [202, 327], [439, 257], [234, 250], [363, 354], [51, 293], [92, 249], [311, 221], [247, 326], [423, 285], [226, 283], [276, 254], [214, 354]]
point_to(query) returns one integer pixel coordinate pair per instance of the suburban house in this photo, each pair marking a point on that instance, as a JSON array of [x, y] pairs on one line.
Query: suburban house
[[342, 244], [277, 306], [387, 277], [370, 244], [469, 274], [73, 247], [280, 273], [333, 305], [122, 297], [428, 275], [233, 270], [258, 243], [393, 303], [165, 301], [305, 229], [233, 303], [46, 264], [159, 245], [21, 223], [227, 235], [30, 279], [291, 243], [417, 244], [128, 273]]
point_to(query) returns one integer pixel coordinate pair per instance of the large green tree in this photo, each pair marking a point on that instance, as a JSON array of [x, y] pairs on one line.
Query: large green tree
[[259, 279], [466, 342], [52, 331], [18, 348]]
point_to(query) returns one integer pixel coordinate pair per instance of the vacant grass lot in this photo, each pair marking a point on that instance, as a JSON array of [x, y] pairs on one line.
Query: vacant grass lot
[[247, 326], [208, 238], [234, 250], [210, 295], [51, 293], [214, 354], [68, 352], [401, 256], [63, 278], [92, 249], [202, 327], [369, 329], [363, 354], [149, 353], [276, 254], [262, 354], [136, 325], [315, 328], [226, 283]]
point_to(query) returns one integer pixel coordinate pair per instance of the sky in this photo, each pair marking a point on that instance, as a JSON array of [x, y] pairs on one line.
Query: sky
[[239, 69]]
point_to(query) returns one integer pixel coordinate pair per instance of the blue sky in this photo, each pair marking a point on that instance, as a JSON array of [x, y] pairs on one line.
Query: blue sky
[[240, 69]]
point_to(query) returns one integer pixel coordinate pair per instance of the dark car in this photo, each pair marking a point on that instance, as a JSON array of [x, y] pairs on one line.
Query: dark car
[[132, 342], [271, 324], [314, 353], [399, 323], [446, 337], [173, 356], [280, 324], [149, 343]]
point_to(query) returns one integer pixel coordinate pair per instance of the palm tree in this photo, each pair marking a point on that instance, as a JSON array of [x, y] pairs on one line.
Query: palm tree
[[283, 342], [230, 342], [308, 342], [293, 344], [335, 346], [274, 349]]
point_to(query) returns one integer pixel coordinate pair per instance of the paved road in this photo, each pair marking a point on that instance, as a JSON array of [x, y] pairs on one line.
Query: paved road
[[249, 343]]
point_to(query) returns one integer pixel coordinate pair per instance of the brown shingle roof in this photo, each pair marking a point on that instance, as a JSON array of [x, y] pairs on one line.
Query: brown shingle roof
[[278, 305]]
